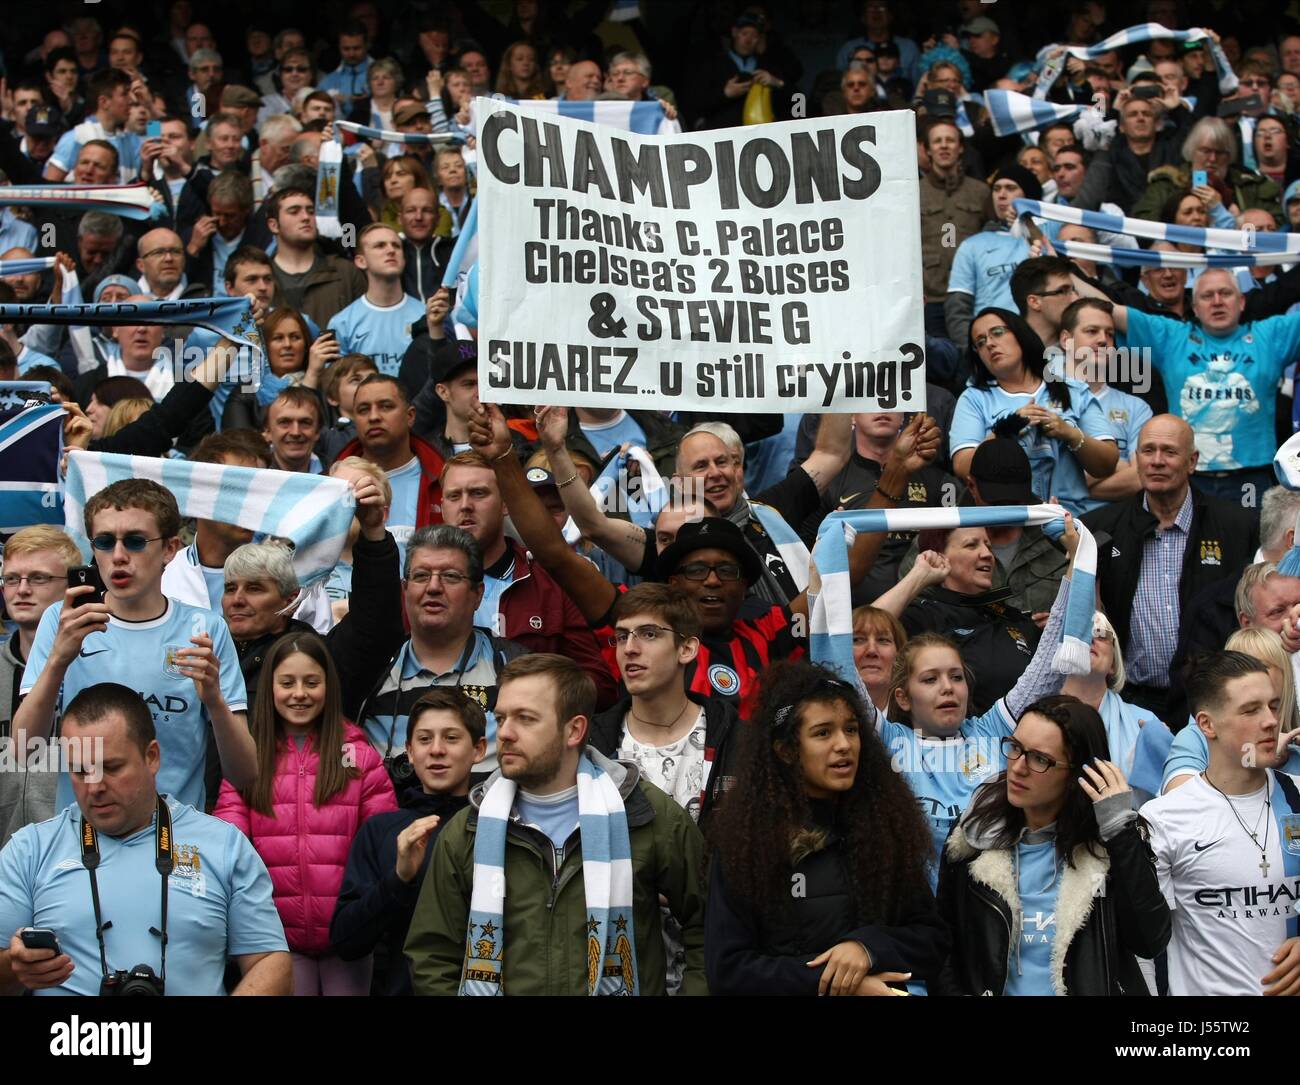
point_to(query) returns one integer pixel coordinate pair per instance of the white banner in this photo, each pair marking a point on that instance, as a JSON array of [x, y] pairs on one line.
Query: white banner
[[769, 268]]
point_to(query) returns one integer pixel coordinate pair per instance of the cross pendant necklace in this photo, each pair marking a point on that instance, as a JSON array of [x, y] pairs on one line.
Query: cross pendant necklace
[[1254, 836]]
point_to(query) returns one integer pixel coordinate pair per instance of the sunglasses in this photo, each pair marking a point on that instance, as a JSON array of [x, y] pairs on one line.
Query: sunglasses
[[134, 541]]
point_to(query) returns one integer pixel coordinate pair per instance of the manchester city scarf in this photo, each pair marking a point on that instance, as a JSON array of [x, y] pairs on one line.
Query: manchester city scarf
[[1011, 112], [314, 512], [329, 173], [414, 139], [607, 883], [1125, 257], [137, 201], [1246, 241], [644, 118], [31, 443], [26, 267], [831, 596], [231, 318], [460, 254], [792, 549]]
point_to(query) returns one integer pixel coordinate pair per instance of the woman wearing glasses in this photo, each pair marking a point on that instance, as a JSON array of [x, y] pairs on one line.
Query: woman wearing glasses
[[818, 883], [1048, 884], [296, 71], [1059, 424]]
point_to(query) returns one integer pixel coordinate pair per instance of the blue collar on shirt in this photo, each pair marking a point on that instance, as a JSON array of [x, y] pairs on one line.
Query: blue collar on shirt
[[745, 64], [1183, 521], [412, 667]]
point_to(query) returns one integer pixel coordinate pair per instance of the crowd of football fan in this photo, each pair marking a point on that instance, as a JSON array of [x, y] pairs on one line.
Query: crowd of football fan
[[521, 740]]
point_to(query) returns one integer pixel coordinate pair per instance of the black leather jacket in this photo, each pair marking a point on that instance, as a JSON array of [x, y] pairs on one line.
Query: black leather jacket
[[1109, 912]]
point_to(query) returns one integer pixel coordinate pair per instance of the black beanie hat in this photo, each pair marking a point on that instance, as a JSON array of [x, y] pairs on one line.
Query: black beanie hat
[[1032, 186]]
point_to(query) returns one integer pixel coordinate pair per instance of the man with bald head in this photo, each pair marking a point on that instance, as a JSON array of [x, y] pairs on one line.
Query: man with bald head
[[1158, 548], [1221, 374], [583, 82], [161, 264]]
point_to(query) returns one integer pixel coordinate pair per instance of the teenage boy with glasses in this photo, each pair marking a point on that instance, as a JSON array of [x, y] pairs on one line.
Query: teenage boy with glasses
[[180, 658]]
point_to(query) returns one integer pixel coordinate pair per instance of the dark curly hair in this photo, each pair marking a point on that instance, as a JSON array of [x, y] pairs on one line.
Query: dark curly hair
[[761, 831]]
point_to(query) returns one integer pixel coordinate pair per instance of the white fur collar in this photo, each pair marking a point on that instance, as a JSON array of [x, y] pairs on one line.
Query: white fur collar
[[1081, 885]]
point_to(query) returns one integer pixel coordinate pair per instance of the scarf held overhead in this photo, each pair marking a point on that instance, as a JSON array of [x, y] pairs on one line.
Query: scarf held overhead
[[138, 201], [831, 593], [314, 512], [607, 883]]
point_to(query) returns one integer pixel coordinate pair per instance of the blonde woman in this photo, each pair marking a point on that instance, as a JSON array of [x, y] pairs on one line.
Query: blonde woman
[[1140, 753], [124, 412], [1190, 752]]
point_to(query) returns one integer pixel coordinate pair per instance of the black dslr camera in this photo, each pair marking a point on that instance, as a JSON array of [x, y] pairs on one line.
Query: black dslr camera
[[141, 980]]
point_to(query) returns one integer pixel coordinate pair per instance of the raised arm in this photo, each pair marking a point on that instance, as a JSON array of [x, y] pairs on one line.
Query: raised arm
[[622, 540], [583, 582], [931, 568], [831, 452]]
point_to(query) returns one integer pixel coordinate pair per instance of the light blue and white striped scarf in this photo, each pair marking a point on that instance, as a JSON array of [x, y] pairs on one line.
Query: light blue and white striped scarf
[[468, 234], [1250, 241], [387, 135], [831, 593], [643, 118], [27, 267], [607, 883], [793, 550], [1131, 36], [137, 201], [1123, 257], [313, 511], [1011, 112]]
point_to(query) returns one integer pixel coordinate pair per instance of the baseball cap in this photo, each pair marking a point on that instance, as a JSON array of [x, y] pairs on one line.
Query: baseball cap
[[409, 112], [539, 478], [940, 103], [885, 49], [236, 97], [981, 24], [44, 121], [748, 18], [1001, 468], [711, 533], [1292, 193], [446, 364]]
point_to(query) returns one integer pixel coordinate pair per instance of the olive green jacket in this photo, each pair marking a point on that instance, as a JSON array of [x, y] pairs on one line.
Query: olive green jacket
[[546, 907], [1249, 190]]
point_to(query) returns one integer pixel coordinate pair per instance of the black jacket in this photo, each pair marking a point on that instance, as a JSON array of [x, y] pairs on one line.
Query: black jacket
[[181, 415], [721, 740], [1222, 541], [995, 639], [747, 952], [425, 265], [1109, 912], [1209, 620], [375, 906]]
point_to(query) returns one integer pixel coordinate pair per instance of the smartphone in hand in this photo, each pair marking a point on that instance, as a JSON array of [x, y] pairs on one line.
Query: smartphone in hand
[[1200, 178], [87, 574], [40, 938]]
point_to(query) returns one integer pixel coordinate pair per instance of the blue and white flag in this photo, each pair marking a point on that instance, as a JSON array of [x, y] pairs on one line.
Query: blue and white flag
[[642, 502], [231, 318], [1253, 241], [417, 139], [31, 445], [460, 258], [138, 201], [314, 512], [1011, 112], [1123, 257], [644, 118], [26, 267], [831, 592], [15, 394], [1132, 35], [329, 173]]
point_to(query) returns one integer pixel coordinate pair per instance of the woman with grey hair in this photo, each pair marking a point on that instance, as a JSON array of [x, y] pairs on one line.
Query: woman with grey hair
[[1212, 147], [1138, 739]]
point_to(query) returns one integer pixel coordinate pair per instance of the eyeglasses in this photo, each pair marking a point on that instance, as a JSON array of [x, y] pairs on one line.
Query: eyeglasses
[[1068, 288], [1211, 152], [294, 68], [36, 580], [699, 570], [1038, 762], [134, 541], [856, 86], [995, 332], [449, 579], [174, 250], [1255, 82], [620, 73], [647, 634]]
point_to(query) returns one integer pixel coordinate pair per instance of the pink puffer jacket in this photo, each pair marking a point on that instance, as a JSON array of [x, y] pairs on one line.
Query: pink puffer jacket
[[305, 848]]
